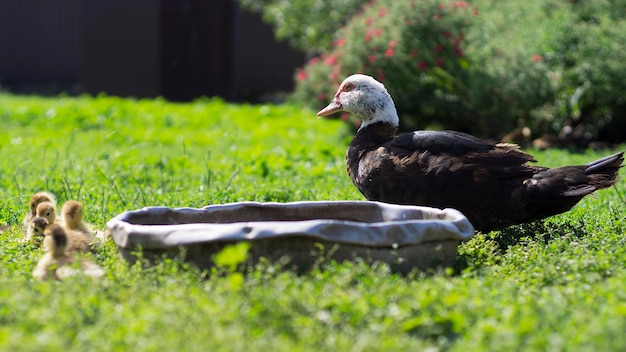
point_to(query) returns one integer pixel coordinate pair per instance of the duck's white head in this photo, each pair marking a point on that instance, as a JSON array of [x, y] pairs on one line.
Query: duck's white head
[[364, 96]]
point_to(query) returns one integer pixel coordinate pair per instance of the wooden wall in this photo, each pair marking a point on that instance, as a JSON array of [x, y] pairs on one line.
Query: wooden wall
[[179, 49]]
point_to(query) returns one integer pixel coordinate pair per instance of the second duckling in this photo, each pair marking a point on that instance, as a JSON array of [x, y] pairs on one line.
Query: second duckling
[[48, 211]]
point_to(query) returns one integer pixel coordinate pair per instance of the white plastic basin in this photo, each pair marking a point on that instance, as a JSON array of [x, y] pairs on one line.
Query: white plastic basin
[[297, 233]]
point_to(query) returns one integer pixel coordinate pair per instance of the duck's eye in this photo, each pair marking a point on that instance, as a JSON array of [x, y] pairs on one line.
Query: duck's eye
[[348, 87]]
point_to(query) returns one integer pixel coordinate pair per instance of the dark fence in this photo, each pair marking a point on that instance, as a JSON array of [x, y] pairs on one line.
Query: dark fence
[[179, 49], [39, 41]]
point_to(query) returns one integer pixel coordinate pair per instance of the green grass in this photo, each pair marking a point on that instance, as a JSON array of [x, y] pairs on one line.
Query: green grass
[[555, 285]]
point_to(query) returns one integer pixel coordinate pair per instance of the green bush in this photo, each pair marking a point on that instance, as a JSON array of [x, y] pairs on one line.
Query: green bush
[[553, 67], [440, 63], [509, 76], [588, 54], [308, 25], [416, 48]]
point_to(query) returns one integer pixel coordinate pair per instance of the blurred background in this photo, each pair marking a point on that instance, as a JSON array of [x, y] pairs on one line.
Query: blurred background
[[540, 72]]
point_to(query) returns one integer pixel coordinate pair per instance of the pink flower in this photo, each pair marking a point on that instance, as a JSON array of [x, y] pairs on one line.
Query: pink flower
[[321, 97], [459, 4], [439, 62], [368, 37], [382, 12], [314, 60], [422, 65], [441, 6], [339, 42], [438, 48], [334, 75], [331, 60], [380, 75], [345, 116], [301, 76], [389, 52], [537, 58], [369, 21], [378, 32], [414, 53], [437, 17], [392, 44], [372, 58]]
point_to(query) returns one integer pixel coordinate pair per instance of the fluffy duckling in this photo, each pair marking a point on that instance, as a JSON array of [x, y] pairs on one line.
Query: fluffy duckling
[[48, 211], [35, 229], [55, 241], [72, 217], [56, 262], [34, 201], [76, 240]]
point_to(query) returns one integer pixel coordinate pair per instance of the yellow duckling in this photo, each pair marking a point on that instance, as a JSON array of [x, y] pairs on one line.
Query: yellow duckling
[[72, 217], [48, 211], [34, 201], [56, 262], [35, 229]]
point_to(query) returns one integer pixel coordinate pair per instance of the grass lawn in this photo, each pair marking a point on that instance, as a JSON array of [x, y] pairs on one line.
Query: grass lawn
[[555, 285]]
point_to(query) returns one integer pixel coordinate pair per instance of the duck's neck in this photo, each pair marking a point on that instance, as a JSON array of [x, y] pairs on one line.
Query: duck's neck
[[366, 140], [373, 135], [385, 113]]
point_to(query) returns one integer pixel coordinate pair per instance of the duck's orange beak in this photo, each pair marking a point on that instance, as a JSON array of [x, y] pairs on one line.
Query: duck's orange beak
[[332, 108]]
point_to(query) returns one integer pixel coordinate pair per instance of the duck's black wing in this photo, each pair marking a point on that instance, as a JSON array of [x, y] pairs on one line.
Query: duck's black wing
[[500, 159], [451, 142], [453, 169]]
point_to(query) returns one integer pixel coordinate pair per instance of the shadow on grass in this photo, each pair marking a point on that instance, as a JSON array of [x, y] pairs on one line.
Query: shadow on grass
[[488, 248], [539, 231]]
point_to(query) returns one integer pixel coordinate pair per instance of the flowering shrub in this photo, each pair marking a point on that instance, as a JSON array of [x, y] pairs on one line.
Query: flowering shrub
[[588, 56], [416, 48], [551, 66], [308, 25]]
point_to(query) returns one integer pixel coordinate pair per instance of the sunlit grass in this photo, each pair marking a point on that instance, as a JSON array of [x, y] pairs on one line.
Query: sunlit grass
[[558, 284]]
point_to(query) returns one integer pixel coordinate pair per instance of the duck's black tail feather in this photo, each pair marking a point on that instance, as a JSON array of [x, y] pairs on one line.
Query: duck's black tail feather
[[608, 165], [603, 172]]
